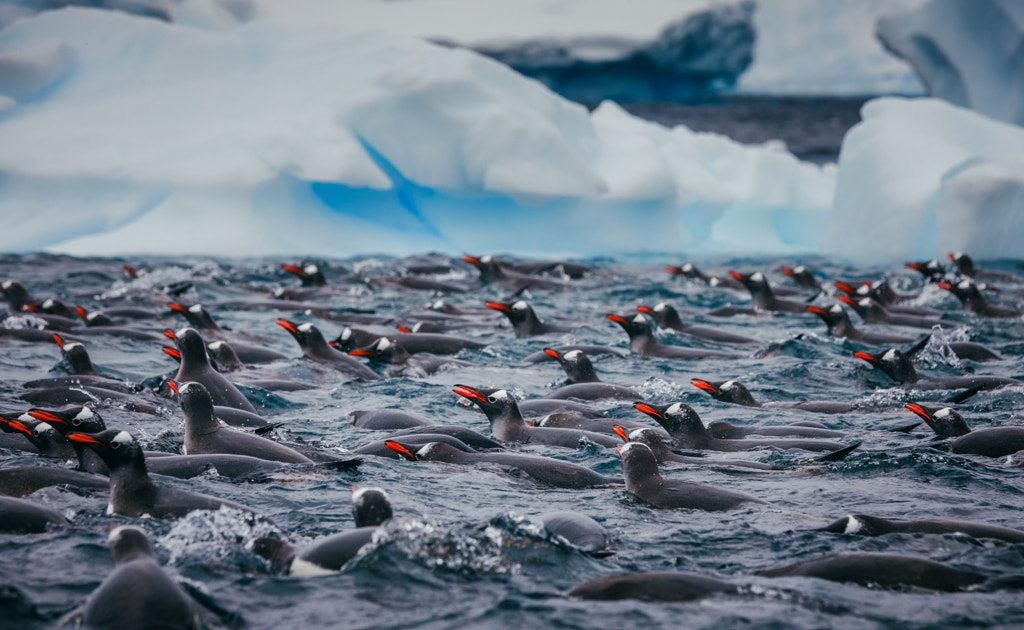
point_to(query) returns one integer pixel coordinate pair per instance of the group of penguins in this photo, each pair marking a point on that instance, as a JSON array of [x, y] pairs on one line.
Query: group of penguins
[[224, 431]]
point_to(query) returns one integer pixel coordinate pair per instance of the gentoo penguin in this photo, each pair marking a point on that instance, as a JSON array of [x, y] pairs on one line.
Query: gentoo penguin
[[989, 442], [557, 268], [972, 299], [315, 347], [197, 316], [735, 392], [688, 431], [195, 367], [881, 292], [932, 270], [663, 454], [667, 316], [370, 508], [579, 530], [591, 350], [137, 593], [415, 343], [546, 470], [652, 586], [839, 325], [17, 295], [19, 516], [75, 357], [309, 274], [585, 383], [865, 525], [386, 419], [965, 266], [42, 435], [644, 481], [132, 492], [874, 313], [20, 481], [689, 271], [763, 296], [469, 437], [246, 353], [882, 569], [380, 448], [400, 361], [642, 342], [803, 277], [492, 272], [508, 425], [897, 365], [205, 434], [524, 320]]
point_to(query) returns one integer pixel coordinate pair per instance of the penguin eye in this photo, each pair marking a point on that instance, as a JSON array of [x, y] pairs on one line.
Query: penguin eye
[[76, 421], [492, 399], [115, 445]]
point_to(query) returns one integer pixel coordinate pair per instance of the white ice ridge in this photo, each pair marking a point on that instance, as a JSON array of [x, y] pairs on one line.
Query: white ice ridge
[[263, 140], [921, 178]]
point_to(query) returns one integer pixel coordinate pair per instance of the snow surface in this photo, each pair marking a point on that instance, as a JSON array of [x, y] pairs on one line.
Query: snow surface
[[921, 178], [261, 140], [968, 52]]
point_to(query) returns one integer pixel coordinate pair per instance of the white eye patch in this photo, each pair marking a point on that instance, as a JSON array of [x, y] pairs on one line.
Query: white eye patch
[[520, 306], [572, 355], [659, 307], [639, 319], [195, 308], [84, 414], [383, 344], [726, 386], [674, 409], [305, 327], [345, 334], [310, 270], [943, 413], [889, 355], [757, 277], [123, 438], [836, 309]]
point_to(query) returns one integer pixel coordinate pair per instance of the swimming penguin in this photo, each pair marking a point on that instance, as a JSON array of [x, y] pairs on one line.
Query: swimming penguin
[[370, 508], [932, 270], [839, 325], [476, 441], [546, 470], [668, 317], [508, 425], [897, 365], [315, 347], [42, 435], [400, 361], [19, 516], [652, 586], [663, 454], [20, 481], [882, 569], [689, 271], [803, 277], [195, 367], [735, 392], [642, 342], [894, 302], [14, 437], [386, 419], [579, 530], [309, 274], [989, 442], [865, 525], [75, 357], [380, 448], [585, 383], [644, 481], [17, 295], [688, 431], [542, 356], [492, 272], [137, 593], [972, 299], [965, 266], [205, 434], [763, 295], [524, 321], [132, 492], [874, 313]]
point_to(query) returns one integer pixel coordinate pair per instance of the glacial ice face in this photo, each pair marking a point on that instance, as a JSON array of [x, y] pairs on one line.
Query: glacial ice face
[[262, 140], [968, 52], [921, 178]]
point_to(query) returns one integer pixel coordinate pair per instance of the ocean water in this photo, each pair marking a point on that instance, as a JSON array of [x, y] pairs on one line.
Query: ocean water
[[462, 551]]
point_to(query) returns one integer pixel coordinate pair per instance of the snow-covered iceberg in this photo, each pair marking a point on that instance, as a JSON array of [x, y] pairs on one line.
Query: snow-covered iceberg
[[141, 136], [921, 178], [968, 52]]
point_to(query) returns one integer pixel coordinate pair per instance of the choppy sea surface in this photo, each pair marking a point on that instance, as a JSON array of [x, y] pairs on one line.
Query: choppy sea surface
[[462, 551]]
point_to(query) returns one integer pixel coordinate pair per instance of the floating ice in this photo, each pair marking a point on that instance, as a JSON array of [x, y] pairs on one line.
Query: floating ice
[[967, 52], [260, 140], [921, 178]]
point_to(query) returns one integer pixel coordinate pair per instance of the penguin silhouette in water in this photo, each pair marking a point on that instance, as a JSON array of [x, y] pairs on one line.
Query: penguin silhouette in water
[[642, 341], [585, 383], [524, 320], [315, 347], [668, 317], [972, 299], [896, 365], [370, 508]]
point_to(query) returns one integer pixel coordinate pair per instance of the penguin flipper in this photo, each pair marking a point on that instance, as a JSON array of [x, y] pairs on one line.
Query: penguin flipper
[[208, 608], [839, 455]]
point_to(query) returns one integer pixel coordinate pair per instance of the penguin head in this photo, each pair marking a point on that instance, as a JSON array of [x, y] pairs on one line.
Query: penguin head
[[80, 419], [927, 269], [195, 400], [495, 403], [634, 326], [831, 315], [383, 350], [516, 312], [370, 506], [74, 355], [856, 524], [638, 463], [727, 391], [115, 447], [128, 543], [191, 346], [893, 362], [945, 421], [648, 437], [309, 274], [306, 334], [576, 364], [963, 263], [676, 418]]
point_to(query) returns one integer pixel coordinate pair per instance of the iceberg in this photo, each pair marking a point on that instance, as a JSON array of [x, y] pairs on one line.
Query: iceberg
[[968, 52], [122, 134], [921, 178]]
